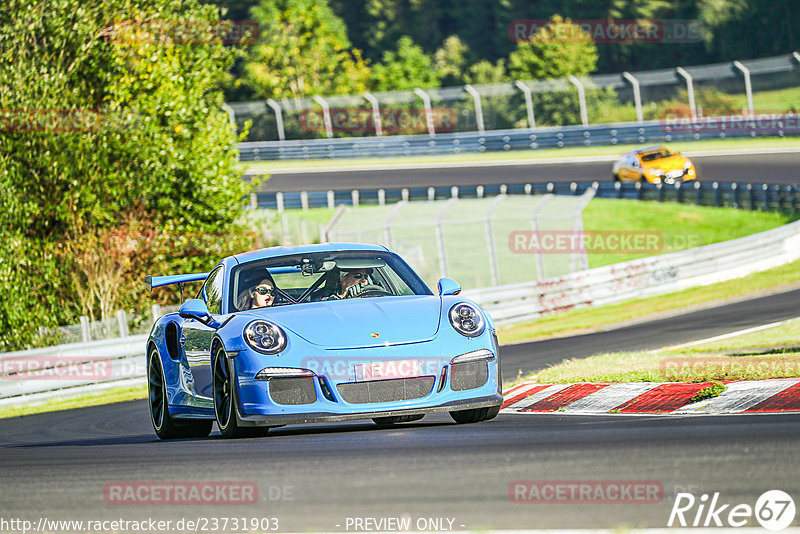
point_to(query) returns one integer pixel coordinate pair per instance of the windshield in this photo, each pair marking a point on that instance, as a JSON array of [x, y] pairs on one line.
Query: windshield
[[661, 153], [290, 280]]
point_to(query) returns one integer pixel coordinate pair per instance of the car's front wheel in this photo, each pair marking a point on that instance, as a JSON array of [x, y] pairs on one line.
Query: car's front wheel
[[225, 401], [475, 415], [164, 424]]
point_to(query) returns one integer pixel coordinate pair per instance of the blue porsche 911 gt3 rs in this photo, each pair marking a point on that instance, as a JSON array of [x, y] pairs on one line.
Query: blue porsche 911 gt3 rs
[[318, 333]]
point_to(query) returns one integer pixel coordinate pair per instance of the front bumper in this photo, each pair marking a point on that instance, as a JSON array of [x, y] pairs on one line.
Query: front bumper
[[322, 397], [300, 418]]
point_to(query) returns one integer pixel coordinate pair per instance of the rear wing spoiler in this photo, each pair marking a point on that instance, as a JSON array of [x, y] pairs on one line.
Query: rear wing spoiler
[[153, 282]]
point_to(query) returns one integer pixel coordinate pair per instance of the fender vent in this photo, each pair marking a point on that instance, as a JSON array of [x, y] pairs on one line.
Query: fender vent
[[293, 390], [469, 375]]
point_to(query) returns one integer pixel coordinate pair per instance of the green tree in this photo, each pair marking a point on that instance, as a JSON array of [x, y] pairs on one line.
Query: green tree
[[559, 49], [406, 68], [302, 50], [450, 61], [111, 113]]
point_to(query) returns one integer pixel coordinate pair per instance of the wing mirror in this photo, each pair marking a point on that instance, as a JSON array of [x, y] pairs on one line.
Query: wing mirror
[[195, 309], [448, 286]]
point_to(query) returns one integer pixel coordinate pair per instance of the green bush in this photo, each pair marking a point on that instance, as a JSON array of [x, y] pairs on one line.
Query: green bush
[[113, 138]]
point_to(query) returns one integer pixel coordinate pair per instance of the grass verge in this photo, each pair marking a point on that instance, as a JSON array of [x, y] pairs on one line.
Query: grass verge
[[587, 320], [567, 152], [109, 396], [769, 353]]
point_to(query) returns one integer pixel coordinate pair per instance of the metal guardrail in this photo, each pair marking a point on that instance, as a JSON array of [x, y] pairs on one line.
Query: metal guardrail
[[645, 277], [70, 367], [768, 197], [661, 131]]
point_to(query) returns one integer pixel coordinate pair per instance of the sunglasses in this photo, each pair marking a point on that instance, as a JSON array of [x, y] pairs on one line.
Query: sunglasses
[[263, 290]]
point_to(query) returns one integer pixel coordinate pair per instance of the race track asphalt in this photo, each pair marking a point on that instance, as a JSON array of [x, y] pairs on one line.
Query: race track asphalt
[[57, 465], [778, 168]]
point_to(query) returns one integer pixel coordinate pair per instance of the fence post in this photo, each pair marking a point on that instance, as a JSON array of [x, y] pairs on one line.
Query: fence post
[[326, 115], [660, 188], [689, 89], [699, 187], [331, 199], [122, 321], [454, 192], [528, 103], [253, 201], [440, 242], [491, 247], [765, 188], [304, 200], [404, 194], [479, 191], [381, 197], [85, 334], [752, 195], [678, 193], [735, 191], [354, 197], [637, 95], [426, 101], [279, 201], [503, 189], [431, 193], [376, 112], [278, 118], [747, 87], [581, 99], [540, 272], [717, 196], [476, 100], [156, 311], [638, 190], [528, 189], [287, 238], [618, 188]]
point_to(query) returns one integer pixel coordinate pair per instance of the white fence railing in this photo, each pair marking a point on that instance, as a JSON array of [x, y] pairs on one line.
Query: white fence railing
[[649, 276], [66, 369]]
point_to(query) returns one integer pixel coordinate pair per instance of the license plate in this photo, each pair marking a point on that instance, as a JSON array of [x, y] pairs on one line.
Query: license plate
[[388, 370], [674, 174]]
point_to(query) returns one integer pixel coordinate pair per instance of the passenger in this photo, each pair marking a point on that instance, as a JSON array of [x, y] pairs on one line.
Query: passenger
[[261, 296]]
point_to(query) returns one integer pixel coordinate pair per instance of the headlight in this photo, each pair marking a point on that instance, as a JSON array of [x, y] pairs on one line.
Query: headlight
[[687, 164], [265, 337], [467, 320]]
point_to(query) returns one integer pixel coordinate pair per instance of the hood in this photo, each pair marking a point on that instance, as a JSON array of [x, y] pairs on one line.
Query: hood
[[666, 164], [351, 323]]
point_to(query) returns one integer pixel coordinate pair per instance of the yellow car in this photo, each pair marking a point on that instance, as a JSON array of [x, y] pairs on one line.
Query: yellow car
[[656, 164]]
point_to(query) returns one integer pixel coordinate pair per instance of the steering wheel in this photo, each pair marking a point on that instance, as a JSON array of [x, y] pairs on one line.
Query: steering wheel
[[373, 290]]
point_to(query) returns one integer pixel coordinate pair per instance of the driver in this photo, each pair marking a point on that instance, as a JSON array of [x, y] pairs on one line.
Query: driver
[[348, 279]]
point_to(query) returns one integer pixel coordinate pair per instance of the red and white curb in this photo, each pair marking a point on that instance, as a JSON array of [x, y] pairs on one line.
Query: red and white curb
[[760, 396]]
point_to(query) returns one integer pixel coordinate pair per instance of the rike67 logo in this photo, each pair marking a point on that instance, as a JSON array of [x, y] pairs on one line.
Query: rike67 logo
[[774, 510]]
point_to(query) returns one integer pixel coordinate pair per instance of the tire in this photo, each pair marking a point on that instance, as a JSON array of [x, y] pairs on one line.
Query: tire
[[394, 419], [225, 401], [476, 415], [164, 424]]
